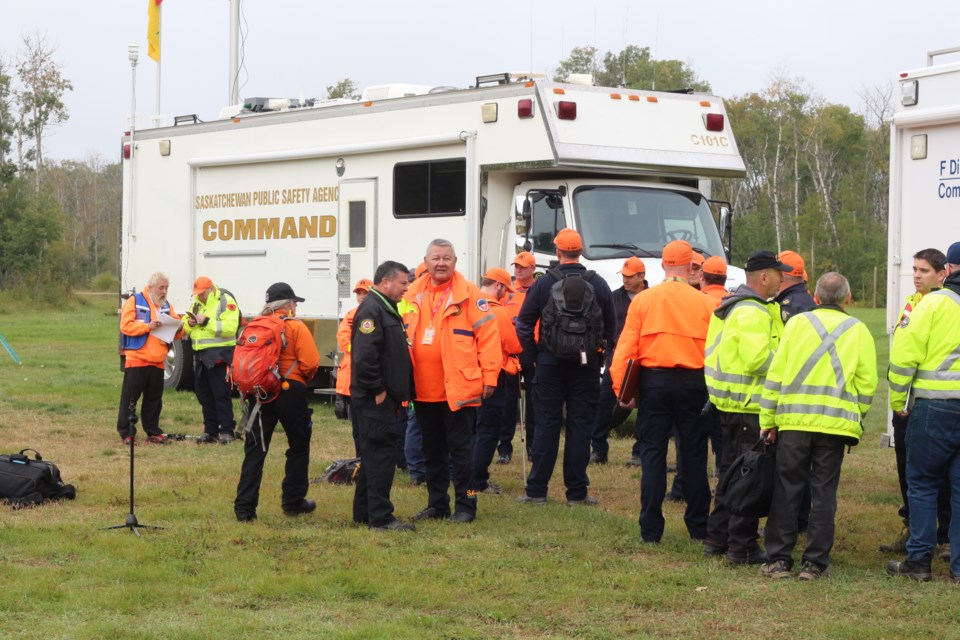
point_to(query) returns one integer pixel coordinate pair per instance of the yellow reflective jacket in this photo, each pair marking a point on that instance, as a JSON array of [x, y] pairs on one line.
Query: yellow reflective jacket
[[925, 355], [743, 335], [822, 377], [223, 320]]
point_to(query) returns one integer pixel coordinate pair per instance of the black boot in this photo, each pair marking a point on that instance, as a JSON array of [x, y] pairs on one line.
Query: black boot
[[914, 569]]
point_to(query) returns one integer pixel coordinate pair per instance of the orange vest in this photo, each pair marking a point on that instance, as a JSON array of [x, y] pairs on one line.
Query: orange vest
[[343, 343], [666, 328], [468, 336]]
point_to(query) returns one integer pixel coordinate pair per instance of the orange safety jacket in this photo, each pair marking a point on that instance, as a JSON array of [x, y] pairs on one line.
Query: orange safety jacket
[[509, 343], [716, 291], [469, 339], [300, 356], [154, 351], [343, 343]]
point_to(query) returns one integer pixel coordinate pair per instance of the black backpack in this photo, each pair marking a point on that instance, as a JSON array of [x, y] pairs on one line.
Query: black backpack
[[571, 325], [341, 471], [24, 481], [746, 489]]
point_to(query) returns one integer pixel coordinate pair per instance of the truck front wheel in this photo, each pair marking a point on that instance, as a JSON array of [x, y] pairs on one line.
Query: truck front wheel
[[178, 369]]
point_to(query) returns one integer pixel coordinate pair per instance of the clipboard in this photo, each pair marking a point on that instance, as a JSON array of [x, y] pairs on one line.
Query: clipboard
[[631, 382]]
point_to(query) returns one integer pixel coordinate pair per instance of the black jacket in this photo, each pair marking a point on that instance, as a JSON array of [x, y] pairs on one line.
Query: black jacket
[[538, 296], [795, 299], [379, 354]]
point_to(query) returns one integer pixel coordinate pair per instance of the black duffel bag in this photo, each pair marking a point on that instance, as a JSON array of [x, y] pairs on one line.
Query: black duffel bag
[[24, 481], [746, 489]]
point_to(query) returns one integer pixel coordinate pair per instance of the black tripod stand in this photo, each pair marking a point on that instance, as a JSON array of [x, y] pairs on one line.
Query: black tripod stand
[[131, 522]]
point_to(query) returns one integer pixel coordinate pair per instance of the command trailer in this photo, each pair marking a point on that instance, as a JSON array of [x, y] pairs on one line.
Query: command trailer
[[924, 174], [318, 194]]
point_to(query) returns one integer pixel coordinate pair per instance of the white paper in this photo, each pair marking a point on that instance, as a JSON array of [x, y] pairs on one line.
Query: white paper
[[168, 328]]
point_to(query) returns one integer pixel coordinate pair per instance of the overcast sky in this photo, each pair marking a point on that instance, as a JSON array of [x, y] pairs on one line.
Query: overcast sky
[[295, 47]]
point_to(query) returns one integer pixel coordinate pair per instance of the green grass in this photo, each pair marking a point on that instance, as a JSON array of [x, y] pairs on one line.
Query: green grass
[[517, 572]]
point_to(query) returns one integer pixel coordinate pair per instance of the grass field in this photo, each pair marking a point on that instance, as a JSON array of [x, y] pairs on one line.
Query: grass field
[[517, 572]]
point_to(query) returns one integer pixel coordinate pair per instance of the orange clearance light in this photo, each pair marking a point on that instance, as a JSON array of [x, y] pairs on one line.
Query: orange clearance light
[[367, 103], [713, 121], [559, 91], [634, 98], [236, 120], [616, 96], [525, 108], [528, 84], [704, 103], [566, 110], [652, 99]]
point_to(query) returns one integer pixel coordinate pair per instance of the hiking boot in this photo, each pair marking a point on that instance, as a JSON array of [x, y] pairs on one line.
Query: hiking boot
[[305, 507], [206, 438], [943, 552], [596, 458], [416, 481], [128, 440], [504, 458], [586, 501], [246, 517], [778, 569], [810, 571], [914, 569], [712, 550], [634, 461], [537, 502], [430, 513], [395, 525], [492, 489], [157, 439], [749, 555], [227, 438], [462, 517], [673, 497], [899, 545]]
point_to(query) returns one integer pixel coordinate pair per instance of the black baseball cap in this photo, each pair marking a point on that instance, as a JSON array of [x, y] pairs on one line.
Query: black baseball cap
[[760, 260], [281, 291]]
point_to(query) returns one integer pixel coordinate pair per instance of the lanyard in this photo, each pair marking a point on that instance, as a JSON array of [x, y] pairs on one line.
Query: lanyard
[[387, 303], [437, 307]]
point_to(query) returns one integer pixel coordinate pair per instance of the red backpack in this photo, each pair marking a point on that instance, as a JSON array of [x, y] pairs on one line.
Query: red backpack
[[255, 370]]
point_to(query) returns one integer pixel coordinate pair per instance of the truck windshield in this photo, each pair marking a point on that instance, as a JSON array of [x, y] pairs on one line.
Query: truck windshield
[[620, 221]]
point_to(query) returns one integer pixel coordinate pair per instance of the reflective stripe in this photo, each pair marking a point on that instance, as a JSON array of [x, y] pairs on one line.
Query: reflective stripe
[[460, 403], [938, 375], [827, 347], [768, 404], [736, 396], [865, 399], [729, 377], [715, 344], [772, 385], [901, 388], [216, 341], [482, 321], [819, 409], [463, 332], [766, 363], [903, 371], [934, 394], [946, 292]]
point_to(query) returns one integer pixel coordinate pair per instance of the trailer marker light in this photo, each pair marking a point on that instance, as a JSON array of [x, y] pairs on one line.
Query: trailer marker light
[[652, 99], [528, 84], [525, 108], [559, 91], [704, 103], [615, 96], [908, 93], [126, 151], [164, 147], [918, 147], [367, 103], [634, 98], [488, 112], [236, 120], [566, 110], [713, 121]]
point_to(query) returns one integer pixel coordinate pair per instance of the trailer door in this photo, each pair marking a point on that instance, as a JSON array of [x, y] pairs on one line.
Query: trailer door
[[357, 239]]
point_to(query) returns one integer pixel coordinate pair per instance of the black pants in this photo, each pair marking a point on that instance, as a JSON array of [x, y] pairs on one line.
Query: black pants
[[576, 388], [511, 400], [487, 431], [291, 410], [741, 431], [148, 382], [608, 417], [673, 398], [378, 451], [215, 398], [802, 457], [943, 496], [447, 453]]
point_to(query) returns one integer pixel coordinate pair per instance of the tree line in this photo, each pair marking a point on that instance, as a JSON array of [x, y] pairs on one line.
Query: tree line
[[816, 181]]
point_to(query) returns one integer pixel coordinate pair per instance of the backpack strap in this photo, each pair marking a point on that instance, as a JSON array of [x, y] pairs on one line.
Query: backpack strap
[[556, 274]]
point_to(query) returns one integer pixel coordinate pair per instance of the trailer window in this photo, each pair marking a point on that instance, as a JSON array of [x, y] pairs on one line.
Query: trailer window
[[432, 188], [358, 224]]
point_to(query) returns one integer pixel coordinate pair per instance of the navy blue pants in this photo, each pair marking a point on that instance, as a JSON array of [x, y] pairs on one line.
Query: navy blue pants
[[378, 452], [487, 432], [447, 452], [511, 402], [215, 397], [576, 388]]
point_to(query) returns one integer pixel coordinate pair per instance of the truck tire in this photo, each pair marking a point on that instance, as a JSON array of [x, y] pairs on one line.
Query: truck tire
[[178, 369]]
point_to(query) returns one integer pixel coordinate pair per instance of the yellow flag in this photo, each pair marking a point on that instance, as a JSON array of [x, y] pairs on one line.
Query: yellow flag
[[153, 29]]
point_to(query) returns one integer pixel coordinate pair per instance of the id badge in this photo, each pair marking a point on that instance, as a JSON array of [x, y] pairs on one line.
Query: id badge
[[427, 336]]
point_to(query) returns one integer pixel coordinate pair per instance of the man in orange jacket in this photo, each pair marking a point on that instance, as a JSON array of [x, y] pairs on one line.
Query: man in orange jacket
[[494, 287], [457, 361], [714, 279], [144, 359], [524, 265], [665, 333], [361, 289]]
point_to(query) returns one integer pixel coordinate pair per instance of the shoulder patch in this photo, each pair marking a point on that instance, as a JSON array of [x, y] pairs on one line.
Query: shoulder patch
[[786, 302], [366, 326], [482, 305], [905, 321]]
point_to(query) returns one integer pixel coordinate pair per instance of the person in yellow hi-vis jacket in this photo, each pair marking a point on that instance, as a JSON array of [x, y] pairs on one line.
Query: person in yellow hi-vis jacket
[[819, 386], [925, 363]]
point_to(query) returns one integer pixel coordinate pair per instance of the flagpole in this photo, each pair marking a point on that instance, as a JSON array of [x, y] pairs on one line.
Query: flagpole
[[156, 117]]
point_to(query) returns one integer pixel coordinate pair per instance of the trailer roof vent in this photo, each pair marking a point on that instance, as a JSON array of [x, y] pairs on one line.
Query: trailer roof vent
[[493, 78], [187, 119]]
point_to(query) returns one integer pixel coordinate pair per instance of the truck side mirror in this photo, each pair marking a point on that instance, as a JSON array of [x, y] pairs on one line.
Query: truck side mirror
[[523, 209]]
